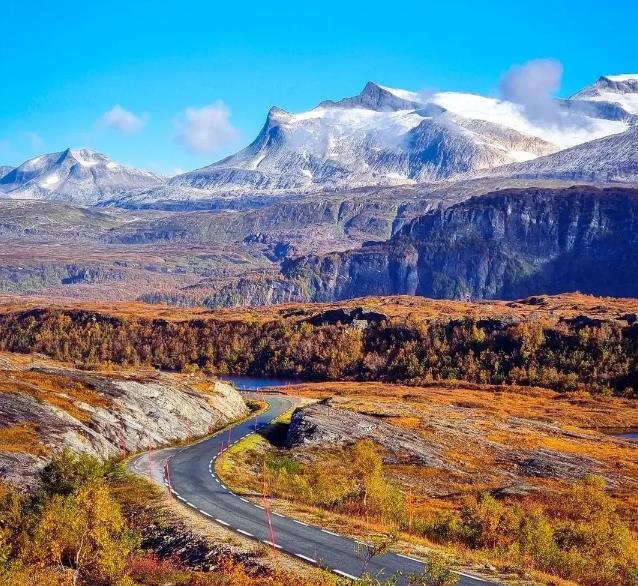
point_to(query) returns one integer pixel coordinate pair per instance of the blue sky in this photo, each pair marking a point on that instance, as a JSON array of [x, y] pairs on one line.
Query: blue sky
[[194, 80]]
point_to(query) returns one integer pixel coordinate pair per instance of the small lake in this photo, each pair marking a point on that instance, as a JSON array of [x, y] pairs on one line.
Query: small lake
[[629, 436], [251, 383]]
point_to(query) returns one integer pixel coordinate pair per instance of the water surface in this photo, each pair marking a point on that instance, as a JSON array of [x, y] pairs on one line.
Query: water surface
[[252, 383]]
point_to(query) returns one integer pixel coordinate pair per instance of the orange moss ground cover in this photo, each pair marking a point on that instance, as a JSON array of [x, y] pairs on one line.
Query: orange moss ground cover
[[400, 306], [55, 389], [568, 409], [482, 422], [21, 438]]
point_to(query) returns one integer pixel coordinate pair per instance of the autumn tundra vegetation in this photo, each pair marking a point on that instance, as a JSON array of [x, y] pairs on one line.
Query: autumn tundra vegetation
[[580, 536], [504, 394], [564, 342], [84, 527]]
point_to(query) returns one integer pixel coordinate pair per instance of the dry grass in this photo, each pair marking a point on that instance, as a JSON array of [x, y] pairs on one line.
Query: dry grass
[[21, 438], [550, 308], [55, 389], [578, 410]]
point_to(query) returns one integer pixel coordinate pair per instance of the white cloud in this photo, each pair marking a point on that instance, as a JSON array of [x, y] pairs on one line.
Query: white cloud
[[206, 129], [123, 120], [533, 85]]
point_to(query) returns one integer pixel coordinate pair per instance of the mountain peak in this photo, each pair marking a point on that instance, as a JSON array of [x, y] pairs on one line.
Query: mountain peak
[[622, 83], [277, 114], [85, 157], [387, 136], [621, 90], [379, 98], [76, 175], [621, 77]]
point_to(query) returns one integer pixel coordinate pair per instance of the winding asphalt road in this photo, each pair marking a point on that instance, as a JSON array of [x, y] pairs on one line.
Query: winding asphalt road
[[189, 473]]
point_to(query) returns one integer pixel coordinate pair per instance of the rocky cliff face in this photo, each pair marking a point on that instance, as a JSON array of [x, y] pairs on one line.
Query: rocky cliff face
[[102, 415], [507, 244]]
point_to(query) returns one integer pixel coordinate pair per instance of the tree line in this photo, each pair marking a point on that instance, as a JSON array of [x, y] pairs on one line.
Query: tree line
[[599, 357]]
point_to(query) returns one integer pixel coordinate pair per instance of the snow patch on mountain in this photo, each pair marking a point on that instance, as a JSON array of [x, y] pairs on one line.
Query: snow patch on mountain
[[389, 136], [623, 77], [610, 159], [573, 130], [614, 89]]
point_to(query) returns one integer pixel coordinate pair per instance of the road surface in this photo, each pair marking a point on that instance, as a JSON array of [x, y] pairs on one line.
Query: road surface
[[190, 474]]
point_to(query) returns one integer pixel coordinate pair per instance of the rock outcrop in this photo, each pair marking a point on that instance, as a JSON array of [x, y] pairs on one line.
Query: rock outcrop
[[121, 415], [325, 426], [455, 445]]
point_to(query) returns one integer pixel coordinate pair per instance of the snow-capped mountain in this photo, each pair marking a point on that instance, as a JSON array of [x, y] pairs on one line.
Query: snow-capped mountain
[[392, 136], [382, 136], [613, 158], [78, 176], [619, 90], [4, 169]]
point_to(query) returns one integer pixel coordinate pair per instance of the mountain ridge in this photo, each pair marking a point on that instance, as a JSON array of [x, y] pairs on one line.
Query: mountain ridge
[[609, 159], [390, 136], [383, 136]]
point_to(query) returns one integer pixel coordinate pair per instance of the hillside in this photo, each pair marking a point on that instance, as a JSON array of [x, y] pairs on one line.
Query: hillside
[[46, 407], [613, 158], [507, 244]]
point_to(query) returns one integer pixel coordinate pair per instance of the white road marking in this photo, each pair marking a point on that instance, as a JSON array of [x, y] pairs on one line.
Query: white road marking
[[470, 576], [345, 574], [407, 557], [248, 534]]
